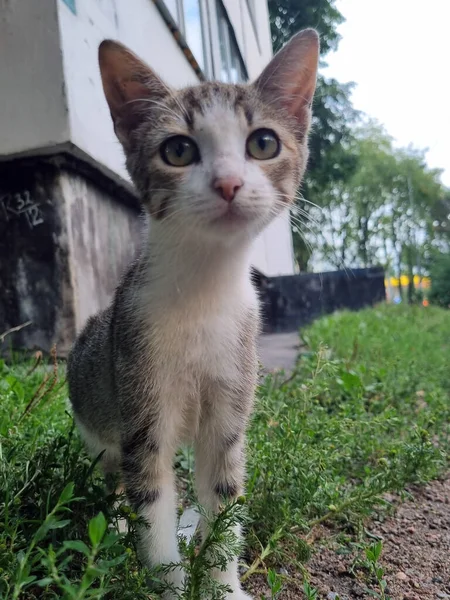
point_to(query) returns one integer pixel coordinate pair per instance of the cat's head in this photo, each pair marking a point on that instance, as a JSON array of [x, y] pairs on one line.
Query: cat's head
[[214, 161]]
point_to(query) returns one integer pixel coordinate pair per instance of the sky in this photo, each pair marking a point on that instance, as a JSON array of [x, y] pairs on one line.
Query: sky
[[398, 54]]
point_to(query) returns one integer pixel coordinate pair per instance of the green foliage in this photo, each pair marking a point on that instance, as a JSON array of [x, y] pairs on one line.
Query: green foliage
[[440, 281], [330, 160], [390, 211], [289, 16], [356, 420], [366, 411]]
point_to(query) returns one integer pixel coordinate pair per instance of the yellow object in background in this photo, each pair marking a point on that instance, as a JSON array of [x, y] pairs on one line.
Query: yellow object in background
[[422, 282]]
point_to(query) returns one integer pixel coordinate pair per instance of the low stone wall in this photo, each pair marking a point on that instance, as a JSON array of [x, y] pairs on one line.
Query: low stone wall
[[290, 302]]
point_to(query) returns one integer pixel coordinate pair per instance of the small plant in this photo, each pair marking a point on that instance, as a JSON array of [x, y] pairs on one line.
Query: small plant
[[310, 592], [275, 584], [23, 577], [95, 569], [373, 554], [220, 546]]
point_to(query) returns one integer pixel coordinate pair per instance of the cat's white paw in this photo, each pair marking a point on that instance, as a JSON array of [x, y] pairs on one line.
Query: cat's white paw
[[170, 596], [239, 595], [231, 579], [176, 579]]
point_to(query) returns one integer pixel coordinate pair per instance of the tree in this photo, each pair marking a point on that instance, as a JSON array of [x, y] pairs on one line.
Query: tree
[[333, 113], [440, 281], [392, 211], [289, 16]]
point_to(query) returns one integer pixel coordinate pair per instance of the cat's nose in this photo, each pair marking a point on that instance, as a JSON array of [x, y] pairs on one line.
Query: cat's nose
[[228, 187]]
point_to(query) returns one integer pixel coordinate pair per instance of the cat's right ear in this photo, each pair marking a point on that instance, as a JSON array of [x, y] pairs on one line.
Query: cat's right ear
[[129, 84]]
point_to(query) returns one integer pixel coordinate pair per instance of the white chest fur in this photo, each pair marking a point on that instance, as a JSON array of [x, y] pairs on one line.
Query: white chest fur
[[202, 340], [193, 344]]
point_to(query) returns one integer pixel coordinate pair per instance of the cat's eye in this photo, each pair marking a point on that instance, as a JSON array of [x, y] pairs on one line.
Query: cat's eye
[[263, 144], [180, 151]]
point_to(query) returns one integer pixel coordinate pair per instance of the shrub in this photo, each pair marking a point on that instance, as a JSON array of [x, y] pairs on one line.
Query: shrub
[[440, 281]]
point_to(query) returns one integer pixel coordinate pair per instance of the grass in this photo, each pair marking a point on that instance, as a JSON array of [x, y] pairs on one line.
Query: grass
[[366, 411]]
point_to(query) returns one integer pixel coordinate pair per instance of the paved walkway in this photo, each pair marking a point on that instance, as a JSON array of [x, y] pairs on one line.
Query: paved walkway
[[279, 351]]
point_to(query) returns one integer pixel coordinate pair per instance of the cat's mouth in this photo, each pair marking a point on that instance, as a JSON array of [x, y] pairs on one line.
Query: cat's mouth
[[232, 216]]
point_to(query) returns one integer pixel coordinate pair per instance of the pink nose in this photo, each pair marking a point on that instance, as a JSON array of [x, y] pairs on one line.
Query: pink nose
[[228, 187]]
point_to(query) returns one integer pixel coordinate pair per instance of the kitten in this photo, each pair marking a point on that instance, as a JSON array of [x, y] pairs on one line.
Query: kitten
[[173, 359]]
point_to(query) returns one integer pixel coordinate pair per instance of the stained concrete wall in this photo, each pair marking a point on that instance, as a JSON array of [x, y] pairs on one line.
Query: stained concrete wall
[[103, 236], [64, 242], [34, 258]]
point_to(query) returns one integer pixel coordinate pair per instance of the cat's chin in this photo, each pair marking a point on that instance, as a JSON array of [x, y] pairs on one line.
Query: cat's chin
[[232, 220]]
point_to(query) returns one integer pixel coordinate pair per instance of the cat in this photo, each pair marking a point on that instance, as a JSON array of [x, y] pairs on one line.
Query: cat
[[173, 359]]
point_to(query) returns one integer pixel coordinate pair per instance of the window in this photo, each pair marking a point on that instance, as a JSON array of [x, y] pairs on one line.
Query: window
[[193, 30], [232, 68], [187, 14]]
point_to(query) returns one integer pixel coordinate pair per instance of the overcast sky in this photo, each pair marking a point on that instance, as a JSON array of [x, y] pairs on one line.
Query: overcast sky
[[398, 54]]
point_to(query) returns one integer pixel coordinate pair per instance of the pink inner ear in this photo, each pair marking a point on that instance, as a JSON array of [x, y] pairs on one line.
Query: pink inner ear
[[126, 79], [134, 90], [289, 80]]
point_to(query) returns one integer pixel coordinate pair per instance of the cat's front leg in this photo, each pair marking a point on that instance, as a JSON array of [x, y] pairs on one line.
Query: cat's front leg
[[219, 457], [149, 483]]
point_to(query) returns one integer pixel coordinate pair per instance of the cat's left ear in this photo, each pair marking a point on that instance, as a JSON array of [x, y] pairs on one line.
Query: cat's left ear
[[289, 80]]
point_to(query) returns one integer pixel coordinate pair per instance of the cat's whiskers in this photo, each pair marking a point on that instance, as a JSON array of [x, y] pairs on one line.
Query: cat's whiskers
[[297, 211], [299, 196], [299, 226]]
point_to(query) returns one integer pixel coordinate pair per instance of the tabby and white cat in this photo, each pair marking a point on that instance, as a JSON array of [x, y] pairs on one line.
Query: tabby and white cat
[[173, 359]]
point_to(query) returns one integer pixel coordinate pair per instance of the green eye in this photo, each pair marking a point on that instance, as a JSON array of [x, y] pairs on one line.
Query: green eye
[[179, 151], [263, 144]]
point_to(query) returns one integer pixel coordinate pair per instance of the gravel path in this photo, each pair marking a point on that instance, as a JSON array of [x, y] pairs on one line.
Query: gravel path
[[416, 554]]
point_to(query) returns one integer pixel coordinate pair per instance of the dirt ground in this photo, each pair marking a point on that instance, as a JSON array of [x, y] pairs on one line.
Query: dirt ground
[[416, 555]]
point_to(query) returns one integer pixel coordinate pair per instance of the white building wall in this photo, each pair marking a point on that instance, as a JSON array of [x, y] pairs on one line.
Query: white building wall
[[33, 111], [51, 93], [141, 29]]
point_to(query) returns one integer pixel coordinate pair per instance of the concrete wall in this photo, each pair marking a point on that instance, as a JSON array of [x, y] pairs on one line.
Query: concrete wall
[[35, 272]]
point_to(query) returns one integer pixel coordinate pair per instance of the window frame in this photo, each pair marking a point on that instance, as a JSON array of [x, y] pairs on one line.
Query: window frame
[[251, 7], [179, 23], [219, 13], [213, 14]]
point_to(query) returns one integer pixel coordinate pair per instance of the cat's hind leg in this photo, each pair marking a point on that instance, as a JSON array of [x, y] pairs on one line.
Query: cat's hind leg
[[110, 457]]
